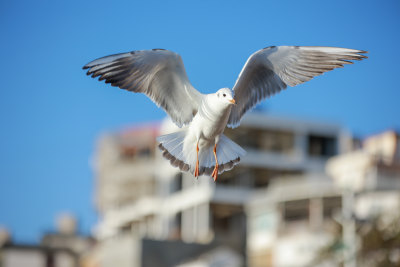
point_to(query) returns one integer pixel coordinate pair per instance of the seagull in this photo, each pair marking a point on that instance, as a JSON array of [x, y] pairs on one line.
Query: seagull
[[200, 147]]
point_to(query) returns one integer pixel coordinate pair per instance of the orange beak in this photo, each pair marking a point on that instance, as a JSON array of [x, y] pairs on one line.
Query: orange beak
[[232, 101]]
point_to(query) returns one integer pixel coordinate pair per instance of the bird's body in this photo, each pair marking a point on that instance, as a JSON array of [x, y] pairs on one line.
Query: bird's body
[[204, 132], [211, 118], [201, 147]]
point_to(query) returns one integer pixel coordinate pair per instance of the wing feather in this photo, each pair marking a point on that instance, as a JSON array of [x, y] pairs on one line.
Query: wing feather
[[158, 73], [272, 69]]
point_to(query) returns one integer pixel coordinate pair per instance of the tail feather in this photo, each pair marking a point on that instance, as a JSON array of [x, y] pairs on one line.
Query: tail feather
[[171, 146], [184, 157], [229, 153]]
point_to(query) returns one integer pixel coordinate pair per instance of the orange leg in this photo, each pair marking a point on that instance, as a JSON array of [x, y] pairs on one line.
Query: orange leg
[[196, 170], [215, 172]]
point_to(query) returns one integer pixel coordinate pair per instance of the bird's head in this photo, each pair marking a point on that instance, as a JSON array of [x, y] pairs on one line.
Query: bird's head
[[225, 96]]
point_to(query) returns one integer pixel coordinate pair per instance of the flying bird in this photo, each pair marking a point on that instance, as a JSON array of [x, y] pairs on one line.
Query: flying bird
[[200, 147]]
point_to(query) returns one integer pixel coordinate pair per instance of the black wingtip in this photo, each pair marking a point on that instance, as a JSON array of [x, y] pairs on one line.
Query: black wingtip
[[360, 54], [364, 56]]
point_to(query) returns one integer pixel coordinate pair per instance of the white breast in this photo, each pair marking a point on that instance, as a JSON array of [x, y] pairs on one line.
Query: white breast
[[211, 118]]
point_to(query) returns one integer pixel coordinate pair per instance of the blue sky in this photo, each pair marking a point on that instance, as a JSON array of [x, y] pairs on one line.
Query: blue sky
[[51, 113]]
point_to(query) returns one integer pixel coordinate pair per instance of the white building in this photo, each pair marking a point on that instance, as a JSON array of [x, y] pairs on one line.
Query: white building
[[140, 196], [64, 248], [290, 220], [294, 217]]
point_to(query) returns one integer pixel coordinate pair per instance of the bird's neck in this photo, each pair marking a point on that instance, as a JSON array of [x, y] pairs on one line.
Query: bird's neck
[[212, 110]]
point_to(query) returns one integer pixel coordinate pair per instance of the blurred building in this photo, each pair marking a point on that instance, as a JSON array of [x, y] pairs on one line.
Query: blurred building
[[370, 182], [64, 248], [372, 173], [290, 220], [142, 200], [295, 216]]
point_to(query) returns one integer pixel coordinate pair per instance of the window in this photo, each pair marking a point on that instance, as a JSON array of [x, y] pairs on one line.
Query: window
[[176, 184], [276, 141], [225, 217], [176, 228], [265, 139], [321, 146], [296, 210], [131, 153], [331, 205], [235, 177]]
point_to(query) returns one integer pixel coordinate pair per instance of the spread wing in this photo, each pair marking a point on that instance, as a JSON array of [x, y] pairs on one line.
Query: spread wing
[[270, 70], [158, 73]]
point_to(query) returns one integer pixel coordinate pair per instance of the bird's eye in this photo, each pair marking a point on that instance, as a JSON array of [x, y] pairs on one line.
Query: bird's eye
[[224, 95]]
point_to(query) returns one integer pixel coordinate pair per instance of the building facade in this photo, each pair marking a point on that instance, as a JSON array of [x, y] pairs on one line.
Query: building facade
[[140, 196], [64, 248], [295, 217]]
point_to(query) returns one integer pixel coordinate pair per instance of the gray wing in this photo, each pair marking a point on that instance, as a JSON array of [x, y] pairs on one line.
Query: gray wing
[[270, 70], [158, 73]]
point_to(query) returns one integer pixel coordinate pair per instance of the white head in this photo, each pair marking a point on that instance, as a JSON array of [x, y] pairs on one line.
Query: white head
[[225, 96]]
